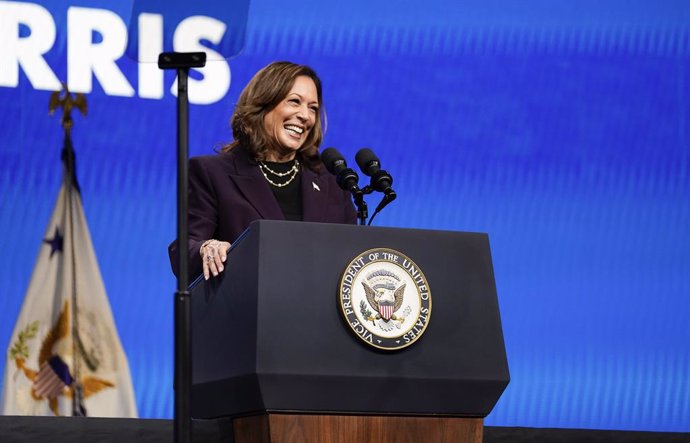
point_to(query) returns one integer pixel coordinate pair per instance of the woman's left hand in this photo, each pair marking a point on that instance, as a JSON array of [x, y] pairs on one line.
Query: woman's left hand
[[213, 255]]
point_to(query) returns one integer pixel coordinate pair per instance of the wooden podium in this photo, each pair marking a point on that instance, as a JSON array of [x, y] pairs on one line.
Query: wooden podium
[[284, 428], [271, 349]]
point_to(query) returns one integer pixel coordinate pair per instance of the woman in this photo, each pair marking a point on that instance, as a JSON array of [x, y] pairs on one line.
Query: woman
[[270, 171]]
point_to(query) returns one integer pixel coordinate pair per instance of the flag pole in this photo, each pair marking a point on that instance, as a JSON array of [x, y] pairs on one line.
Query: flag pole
[[65, 100]]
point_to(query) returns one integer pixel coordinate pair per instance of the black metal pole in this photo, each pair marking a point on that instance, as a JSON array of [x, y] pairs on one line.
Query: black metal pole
[[183, 328], [361, 204]]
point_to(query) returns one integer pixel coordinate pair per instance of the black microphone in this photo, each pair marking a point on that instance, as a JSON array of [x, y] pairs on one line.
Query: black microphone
[[381, 180], [370, 165], [346, 178]]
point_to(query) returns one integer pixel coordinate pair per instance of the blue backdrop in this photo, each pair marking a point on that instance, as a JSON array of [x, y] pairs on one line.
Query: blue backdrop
[[561, 128]]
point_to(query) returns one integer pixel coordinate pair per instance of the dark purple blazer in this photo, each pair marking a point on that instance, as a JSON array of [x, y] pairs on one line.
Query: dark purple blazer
[[227, 192]]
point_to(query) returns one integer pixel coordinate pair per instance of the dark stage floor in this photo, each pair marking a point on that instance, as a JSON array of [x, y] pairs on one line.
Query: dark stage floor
[[96, 430]]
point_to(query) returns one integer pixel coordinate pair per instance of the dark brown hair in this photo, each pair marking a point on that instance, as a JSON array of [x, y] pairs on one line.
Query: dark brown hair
[[262, 94]]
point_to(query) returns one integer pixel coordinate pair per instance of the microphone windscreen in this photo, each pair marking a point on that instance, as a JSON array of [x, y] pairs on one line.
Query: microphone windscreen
[[365, 158], [330, 157]]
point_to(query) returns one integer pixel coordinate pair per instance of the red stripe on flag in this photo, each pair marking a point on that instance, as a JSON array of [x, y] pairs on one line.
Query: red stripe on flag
[[387, 311], [47, 383]]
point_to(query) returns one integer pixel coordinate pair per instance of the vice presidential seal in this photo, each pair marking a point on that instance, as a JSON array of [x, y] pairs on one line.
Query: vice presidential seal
[[385, 299]]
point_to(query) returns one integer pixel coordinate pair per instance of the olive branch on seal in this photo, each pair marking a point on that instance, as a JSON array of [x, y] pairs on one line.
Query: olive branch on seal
[[20, 348], [366, 313]]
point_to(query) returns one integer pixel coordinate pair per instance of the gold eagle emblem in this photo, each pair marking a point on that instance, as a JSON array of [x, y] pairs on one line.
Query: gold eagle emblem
[[382, 296], [61, 328]]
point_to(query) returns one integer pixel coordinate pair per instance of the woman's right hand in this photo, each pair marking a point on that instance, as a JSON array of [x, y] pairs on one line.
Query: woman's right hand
[[213, 255]]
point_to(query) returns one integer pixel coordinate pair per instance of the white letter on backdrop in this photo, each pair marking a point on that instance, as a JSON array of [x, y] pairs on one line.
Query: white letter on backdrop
[[187, 38], [150, 45], [28, 51], [85, 57]]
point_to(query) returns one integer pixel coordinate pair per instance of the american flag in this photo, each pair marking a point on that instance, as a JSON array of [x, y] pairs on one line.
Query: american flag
[[52, 378]]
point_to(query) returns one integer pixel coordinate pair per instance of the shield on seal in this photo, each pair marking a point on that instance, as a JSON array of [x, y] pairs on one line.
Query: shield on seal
[[386, 310]]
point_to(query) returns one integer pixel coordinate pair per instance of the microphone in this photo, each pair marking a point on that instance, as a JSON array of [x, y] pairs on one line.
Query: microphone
[[381, 180], [370, 165], [346, 178]]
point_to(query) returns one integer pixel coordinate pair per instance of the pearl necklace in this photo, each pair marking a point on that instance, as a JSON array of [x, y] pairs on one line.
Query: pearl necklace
[[292, 171]]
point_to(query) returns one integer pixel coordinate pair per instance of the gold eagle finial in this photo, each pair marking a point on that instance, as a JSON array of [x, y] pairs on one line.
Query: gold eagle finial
[[67, 101]]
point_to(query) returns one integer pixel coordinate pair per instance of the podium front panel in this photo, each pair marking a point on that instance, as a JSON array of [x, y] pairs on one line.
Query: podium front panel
[[269, 336]]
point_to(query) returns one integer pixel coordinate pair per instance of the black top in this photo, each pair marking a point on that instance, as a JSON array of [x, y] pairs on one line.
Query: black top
[[289, 197]]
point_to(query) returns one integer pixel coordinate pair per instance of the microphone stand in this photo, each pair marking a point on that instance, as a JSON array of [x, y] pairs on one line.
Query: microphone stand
[[182, 62], [389, 196], [362, 211]]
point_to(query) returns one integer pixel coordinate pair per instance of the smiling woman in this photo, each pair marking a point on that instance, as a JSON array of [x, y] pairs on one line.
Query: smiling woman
[[271, 170], [291, 121]]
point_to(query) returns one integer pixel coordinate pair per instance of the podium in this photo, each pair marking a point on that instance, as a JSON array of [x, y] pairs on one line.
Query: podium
[[272, 350]]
